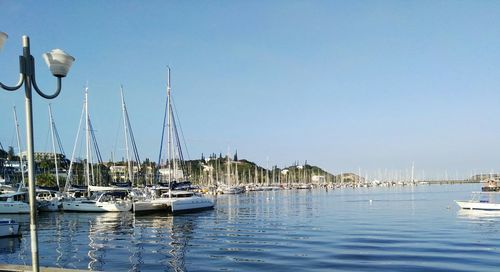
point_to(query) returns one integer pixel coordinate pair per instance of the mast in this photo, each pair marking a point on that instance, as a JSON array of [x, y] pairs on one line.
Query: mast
[[125, 127], [87, 140], [412, 172], [228, 169], [19, 145], [267, 171], [237, 176], [170, 155], [51, 120]]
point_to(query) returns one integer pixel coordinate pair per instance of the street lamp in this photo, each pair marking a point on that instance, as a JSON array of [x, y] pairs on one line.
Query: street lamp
[[59, 64]]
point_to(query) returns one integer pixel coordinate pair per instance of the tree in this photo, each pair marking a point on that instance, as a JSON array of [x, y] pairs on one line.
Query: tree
[[10, 153], [46, 179], [236, 156], [45, 165]]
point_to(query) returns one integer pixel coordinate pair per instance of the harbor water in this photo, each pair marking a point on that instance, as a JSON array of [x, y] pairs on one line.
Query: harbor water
[[410, 228]]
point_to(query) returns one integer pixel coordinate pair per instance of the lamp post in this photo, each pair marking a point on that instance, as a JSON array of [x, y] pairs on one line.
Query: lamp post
[[59, 64]]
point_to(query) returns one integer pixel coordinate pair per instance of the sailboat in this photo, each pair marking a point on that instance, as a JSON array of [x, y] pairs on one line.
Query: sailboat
[[164, 195], [229, 188], [15, 201], [51, 200], [99, 201]]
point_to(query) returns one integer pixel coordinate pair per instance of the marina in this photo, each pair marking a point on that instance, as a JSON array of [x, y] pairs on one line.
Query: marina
[[249, 136], [350, 229]]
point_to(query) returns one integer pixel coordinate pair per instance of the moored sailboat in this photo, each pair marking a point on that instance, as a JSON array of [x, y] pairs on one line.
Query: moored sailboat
[[98, 201], [163, 196]]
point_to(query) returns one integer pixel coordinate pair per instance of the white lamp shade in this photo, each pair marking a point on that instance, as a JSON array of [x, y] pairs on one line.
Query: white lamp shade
[[59, 62], [3, 38]]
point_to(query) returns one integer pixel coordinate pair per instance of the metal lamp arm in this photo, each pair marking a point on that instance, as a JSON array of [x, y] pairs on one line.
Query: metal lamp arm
[[56, 93], [22, 75], [18, 85]]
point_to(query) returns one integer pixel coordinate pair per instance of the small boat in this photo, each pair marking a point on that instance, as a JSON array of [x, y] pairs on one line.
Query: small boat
[[491, 185], [9, 227], [111, 201], [486, 201], [175, 201], [187, 201], [149, 200], [231, 190], [48, 200], [14, 203]]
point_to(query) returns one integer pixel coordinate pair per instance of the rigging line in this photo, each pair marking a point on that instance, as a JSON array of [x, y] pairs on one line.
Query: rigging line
[[94, 142], [68, 177], [163, 133], [59, 143], [179, 149], [180, 127], [132, 139]]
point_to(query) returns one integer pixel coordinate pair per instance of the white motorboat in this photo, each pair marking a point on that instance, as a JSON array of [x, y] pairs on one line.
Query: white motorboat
[[486, 201], [111, 201], [14, 203], [148, 201], [9, 227], [151, 205], [187, 201]]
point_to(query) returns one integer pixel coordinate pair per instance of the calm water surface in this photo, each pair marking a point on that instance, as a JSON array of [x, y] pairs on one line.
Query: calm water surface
[[370, 229]]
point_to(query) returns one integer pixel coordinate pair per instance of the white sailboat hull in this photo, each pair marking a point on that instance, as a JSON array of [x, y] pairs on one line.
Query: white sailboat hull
[[473, 205], [14, 207], [152, 205], [95, 206], [193, 203]]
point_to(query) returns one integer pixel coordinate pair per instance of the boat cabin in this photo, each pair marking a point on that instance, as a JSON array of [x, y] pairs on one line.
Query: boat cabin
[[21, 196]]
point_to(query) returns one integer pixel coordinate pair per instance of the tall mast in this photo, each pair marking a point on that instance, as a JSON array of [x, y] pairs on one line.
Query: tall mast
[[51, 120], [267, 171], [412, 172], [170, 155], [125, 127], [87, 140], [228, 169], [19, 145]]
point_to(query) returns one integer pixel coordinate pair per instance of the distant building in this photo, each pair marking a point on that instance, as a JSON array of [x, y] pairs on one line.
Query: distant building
[[166, 173], [49, 156], [15, 166], [120, 172], [318, 179]]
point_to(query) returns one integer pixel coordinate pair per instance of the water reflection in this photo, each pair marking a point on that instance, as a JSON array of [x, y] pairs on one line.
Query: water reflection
[[9, 245], [161, 242], [104, 231], [113, 241]]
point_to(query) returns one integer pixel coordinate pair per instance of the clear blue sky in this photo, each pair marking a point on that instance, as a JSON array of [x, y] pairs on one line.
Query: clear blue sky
[[342, 84]]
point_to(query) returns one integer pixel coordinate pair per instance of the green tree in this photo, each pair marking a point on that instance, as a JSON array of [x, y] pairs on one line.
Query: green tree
[[46, 179], [10, 153]]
